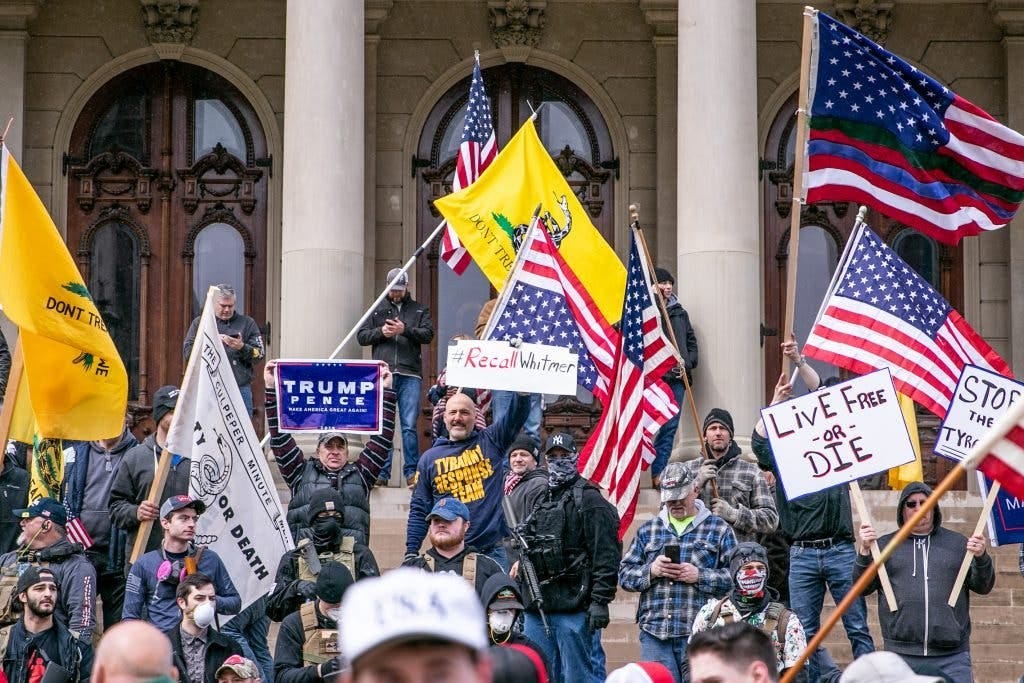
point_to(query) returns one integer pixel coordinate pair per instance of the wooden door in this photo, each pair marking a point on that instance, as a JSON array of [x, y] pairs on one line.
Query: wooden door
[[167, 194], [824, 231]]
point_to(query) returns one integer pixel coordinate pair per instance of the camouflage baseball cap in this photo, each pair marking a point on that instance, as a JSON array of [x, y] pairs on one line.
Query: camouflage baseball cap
[[676, 482]]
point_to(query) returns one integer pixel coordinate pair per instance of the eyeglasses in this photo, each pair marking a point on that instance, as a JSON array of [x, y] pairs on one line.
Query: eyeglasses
[[911, 504]]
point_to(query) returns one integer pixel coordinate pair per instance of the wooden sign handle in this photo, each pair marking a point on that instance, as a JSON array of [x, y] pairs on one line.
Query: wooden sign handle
[[965, 566], [159, 479], [865, 516]]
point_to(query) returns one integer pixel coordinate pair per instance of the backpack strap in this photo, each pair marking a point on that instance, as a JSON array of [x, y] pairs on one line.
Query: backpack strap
[[5, 638], [776, 621], [307, 612], [469, 568], [429, 560], [716, 612]]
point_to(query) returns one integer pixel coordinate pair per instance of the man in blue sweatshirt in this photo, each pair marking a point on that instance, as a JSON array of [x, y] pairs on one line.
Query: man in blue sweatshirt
[[154, 579], [468, 465]]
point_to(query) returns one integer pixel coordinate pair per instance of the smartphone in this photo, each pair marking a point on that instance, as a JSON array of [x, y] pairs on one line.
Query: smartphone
[[671, 551]]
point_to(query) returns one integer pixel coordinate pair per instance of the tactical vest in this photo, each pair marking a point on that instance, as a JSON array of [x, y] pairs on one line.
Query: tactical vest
[[345, 556], [354, 497], [321, 644], [554, 534], [776, 620], [468, 567]]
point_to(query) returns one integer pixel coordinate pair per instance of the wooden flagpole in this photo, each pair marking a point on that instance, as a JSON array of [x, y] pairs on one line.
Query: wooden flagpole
[[10, 395], [798, 172], [634, 224], [858, 587], [965, 566]]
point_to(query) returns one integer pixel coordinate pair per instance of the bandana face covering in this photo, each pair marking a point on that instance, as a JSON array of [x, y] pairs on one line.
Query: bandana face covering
[[750, 583], [561, 470]]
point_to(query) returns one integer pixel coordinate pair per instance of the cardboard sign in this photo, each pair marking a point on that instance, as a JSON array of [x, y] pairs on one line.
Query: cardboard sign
[[838, 434], [536, 368], [981, 398], [329, 396]]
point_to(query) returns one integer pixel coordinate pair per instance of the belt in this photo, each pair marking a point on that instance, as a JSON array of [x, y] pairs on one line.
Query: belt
[[817, 543]]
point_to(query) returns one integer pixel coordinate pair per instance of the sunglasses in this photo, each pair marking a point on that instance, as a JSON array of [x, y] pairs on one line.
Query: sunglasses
[[911, 504]]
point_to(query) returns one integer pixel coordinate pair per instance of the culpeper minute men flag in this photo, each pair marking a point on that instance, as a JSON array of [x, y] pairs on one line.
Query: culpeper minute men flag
[[880, 313], [883, 133]]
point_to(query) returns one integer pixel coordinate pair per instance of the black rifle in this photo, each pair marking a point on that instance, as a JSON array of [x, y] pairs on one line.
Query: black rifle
[[526, 568]]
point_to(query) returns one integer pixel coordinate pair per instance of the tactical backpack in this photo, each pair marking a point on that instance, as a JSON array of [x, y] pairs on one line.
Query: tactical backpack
[[468, 567], [553, 560], [776, 620]]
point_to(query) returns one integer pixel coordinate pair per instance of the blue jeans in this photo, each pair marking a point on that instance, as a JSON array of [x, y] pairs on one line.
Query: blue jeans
[[810, 570], [246, 391], [597, 656], [669, 653], [499, 555], [250, 629], [956, 667], [569, 650], [501, 402], [667, 434], [408, 389]]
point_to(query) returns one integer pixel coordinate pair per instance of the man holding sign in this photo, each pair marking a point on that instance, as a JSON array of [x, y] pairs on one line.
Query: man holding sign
[[926, 630]]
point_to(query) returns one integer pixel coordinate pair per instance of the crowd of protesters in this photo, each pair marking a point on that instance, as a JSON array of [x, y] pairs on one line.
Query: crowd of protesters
[[512, 559]]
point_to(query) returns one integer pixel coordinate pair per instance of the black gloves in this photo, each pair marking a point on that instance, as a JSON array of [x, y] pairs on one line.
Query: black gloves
[[329, 669], [305, 590], [597, 617]]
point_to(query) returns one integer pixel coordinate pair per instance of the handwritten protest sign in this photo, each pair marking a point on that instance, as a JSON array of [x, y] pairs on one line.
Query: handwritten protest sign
[[486, 364], [329, 396], [838, 434], [981, 398]]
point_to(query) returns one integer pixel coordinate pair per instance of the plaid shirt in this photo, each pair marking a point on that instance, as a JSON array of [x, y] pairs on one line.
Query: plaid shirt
[[741, 484], [667, 608]]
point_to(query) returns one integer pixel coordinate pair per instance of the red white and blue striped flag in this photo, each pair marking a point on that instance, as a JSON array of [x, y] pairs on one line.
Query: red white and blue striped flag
[[880, 313], [622, 444], [883, 133], [1000, 453], [476, 153]]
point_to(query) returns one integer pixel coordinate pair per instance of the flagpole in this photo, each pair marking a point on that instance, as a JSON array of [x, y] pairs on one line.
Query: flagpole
[[869, 573], [798, 172], [634, 224], [520, 255], [10, 395]]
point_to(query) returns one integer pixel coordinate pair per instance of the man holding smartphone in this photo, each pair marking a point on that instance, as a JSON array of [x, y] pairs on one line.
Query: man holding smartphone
[[677, 562]]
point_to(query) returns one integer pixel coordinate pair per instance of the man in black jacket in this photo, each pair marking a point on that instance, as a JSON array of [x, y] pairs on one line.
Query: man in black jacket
[[129, 504], [36, 642], [307, 644], [198, 649], [241, 338], [679, 322], [5, 365], [395, 330], [323, 536], [573, 538], [925, 630]]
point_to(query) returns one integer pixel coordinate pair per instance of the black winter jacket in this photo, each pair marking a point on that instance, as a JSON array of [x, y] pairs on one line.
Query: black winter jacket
[[74, 655], [485, 566], [13, 496], [218, 648], [685, 338], [243, 359], [922, 571], [401, 352], [131, 487], [286, 597], [289, 666]]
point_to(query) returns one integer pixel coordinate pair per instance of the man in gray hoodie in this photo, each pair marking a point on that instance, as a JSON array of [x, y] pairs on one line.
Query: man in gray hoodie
[[925, 630]]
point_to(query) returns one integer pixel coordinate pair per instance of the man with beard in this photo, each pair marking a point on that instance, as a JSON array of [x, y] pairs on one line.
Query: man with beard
[[36, 643], [325, 538], [573, 538], [448, 553], [752, 600], [743, 497], [43, 541], [307, 644], [150, 593], [468, 465], [677, 562], [198, 649]]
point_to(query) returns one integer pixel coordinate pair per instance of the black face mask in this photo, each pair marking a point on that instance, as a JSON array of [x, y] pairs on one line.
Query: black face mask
[[326, 530]]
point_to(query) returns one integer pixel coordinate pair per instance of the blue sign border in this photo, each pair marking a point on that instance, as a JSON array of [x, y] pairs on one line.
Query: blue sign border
[[330, 421]]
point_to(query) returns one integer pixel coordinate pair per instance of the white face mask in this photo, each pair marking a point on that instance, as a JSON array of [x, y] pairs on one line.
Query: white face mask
[[203, 614], [501, 620], [334, 613]]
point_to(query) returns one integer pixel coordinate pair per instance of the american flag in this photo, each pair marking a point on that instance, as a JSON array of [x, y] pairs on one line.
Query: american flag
[[881, 313], [76, 531], [544, 303], [884, 134], [1000, 453], [476, 153], [622, 444]]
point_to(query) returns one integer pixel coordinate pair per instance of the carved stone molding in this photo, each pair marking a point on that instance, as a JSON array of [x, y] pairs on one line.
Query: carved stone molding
[[870, 17], [1008, 15], [375, 12], [220, 177], [662, 16], [517, 22], [170, 21], [15, 15], [114, 176]]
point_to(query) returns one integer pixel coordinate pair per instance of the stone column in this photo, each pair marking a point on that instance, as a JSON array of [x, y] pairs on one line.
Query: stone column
[[718, 276], [322, 232]]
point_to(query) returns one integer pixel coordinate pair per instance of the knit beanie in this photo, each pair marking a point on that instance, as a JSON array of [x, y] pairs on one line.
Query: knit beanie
[[332, 582], [720, 416], [527, 443], [662, 275]]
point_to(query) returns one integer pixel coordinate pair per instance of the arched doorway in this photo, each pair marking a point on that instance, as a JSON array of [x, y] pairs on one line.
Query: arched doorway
[[824, 230], [577, 137], [167, 194]]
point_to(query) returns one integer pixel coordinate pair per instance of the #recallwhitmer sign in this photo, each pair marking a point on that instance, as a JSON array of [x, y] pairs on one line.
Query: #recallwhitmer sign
[[329, 396], [536, 368], [838, 434]]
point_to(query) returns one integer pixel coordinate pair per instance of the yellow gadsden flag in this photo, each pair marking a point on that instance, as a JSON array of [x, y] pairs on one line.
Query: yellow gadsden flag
[[912, 471], [77, 383], [492, 217]]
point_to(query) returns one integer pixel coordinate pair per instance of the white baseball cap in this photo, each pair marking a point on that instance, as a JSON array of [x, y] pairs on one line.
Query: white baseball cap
[[883, 667], [410, 604]]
